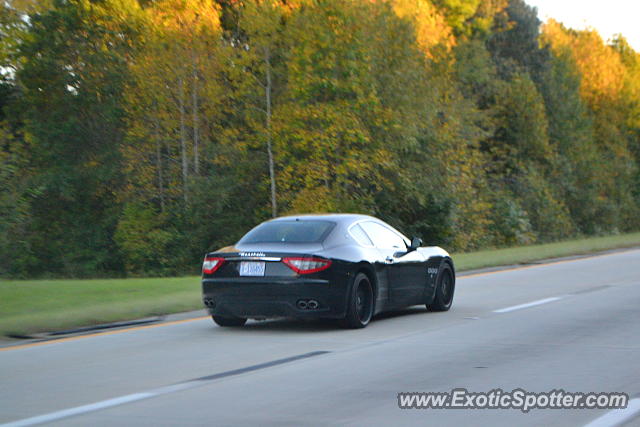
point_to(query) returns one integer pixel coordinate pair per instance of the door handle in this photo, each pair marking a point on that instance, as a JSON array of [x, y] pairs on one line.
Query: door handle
[[389, 260]]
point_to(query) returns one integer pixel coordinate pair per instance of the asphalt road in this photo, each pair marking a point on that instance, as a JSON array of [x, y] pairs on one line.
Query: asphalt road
[[572, 325]]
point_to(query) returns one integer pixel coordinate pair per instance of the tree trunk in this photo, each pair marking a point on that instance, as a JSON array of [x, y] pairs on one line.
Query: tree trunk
[[196, 128], [267, 90], [159, 162], [183, 140]]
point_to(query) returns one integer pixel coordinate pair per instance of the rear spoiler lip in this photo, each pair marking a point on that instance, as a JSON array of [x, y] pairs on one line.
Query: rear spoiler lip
[[269, 257], [252, 258]]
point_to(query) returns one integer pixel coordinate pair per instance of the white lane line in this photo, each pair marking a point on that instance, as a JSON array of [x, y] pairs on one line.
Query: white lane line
[[54, 416], [617, 417], [527, 305], [186, 385]]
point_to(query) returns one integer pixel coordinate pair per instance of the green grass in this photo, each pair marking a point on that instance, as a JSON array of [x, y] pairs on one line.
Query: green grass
[[524, 254], [29, 306]]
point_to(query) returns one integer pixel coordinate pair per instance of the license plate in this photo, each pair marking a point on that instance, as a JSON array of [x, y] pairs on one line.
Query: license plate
[[250, 268]]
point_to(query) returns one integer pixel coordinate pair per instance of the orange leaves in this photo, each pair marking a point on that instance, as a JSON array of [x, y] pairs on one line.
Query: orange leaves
[[430, 25], [196, 15], [599, 64], [327, 158]]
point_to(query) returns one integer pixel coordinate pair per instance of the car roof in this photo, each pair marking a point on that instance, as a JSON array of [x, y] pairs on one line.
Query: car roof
[[341, 218]]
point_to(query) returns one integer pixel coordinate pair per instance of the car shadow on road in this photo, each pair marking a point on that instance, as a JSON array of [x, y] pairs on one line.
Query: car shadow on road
[[292, 325], [409, 311], [319, 325]]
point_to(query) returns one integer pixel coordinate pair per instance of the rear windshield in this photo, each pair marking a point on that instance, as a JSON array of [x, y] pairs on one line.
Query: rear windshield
[[289, 231]]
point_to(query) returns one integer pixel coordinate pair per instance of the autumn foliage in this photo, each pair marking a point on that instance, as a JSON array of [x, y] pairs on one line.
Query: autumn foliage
[[135, 135]]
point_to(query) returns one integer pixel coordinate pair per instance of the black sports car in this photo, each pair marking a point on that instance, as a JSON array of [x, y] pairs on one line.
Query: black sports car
[[341, 266]]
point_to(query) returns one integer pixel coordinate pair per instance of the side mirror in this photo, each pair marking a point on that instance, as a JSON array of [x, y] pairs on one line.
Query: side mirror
[[416, 242]]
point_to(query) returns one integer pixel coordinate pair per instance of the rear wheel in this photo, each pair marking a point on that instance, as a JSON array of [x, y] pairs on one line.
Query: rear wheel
[[444, 290], [360, 306], [229, 321]]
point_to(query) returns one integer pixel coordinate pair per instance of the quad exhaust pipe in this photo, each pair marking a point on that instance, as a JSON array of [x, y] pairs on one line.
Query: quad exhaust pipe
[[307, 304]]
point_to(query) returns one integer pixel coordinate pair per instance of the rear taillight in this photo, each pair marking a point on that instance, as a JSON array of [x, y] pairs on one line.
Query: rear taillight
[[211, 264], [307, 265]]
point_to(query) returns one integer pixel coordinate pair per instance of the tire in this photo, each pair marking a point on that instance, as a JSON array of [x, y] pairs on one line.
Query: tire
[[229, 321], [361, 303], [445, 287]]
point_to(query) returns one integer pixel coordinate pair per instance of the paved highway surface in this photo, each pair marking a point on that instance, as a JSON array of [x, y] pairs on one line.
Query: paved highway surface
[[572, 325]]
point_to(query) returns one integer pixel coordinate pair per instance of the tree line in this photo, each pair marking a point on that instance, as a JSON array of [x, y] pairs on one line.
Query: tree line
[[137, 134]]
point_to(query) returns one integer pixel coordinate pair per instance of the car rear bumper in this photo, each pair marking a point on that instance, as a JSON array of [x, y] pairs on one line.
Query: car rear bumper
[[273, 297]]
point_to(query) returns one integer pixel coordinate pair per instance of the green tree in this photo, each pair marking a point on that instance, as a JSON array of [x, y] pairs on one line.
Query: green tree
[[177, 159], [518, 46], [522, 157], [16, 254], [72, 74], [174, 98], [631, 109], [260, 74], [571, 133], [602, 87], [458, 12], [326, 146]]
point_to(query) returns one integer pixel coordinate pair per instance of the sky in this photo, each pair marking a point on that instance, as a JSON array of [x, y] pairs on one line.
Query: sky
[[609, 17]]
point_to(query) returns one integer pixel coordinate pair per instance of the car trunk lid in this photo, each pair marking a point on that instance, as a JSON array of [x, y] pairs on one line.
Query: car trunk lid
[[262, 259]]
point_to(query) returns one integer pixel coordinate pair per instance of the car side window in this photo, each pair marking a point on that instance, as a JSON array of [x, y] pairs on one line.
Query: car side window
[[360, 236], [383, 237]]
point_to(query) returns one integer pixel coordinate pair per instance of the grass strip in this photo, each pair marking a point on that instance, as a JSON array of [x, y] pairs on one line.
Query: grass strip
[[527, 254], [30, 306]]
